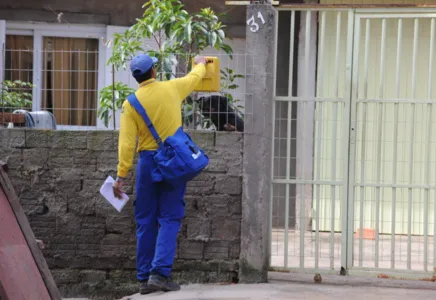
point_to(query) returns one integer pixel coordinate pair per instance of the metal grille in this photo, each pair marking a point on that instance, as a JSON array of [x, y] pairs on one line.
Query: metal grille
[[393, 164], [65, 83], [354, 164], [310, 148]]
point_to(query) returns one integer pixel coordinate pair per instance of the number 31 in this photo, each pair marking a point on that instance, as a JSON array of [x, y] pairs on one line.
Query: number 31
[[254, 27]]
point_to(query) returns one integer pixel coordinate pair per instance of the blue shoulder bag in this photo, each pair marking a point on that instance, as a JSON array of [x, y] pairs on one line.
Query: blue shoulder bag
[[178, 159]]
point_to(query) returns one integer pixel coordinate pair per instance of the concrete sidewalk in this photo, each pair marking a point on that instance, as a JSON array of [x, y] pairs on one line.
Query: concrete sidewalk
[[285, 290]]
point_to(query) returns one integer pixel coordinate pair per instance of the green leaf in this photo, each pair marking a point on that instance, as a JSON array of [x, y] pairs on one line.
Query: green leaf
[[188, 32], [221, 34]]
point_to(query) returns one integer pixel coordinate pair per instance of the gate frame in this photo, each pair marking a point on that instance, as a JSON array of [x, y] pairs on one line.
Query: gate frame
[[359, 14], [349, 141]]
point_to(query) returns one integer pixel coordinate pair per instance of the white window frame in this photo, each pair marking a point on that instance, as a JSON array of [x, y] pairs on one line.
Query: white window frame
[[41, 30]]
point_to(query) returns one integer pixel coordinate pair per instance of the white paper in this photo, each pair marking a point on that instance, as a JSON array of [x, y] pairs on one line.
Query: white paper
[[107, 192]]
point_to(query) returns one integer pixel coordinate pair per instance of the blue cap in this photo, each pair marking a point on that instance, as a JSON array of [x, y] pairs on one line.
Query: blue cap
[[141, 64]]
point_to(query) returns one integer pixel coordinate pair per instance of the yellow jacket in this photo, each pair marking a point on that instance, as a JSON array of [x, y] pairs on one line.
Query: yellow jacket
[[162, 101]]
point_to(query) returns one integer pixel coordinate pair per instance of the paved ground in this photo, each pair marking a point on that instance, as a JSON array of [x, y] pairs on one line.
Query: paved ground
[[284, 291]]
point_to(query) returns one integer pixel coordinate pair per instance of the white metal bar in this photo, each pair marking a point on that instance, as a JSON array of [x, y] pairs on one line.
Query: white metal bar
[[291, 55], [273, 136], [288, 138], [397, 186], [395, 144], [304, 9], [402, 101], [308, 182], [412, 138], [397, 16], [363, 148], [306, 93], [309, 99], [428, 142], [353, 89], [357, 271], [37, 70], [410, 274], [320, 118], [2, 50], [430, 107], [380, 141], [335, 128], [395, 10]]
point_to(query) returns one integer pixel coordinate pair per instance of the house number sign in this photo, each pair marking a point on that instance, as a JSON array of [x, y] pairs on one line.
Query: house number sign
[[254, 26]]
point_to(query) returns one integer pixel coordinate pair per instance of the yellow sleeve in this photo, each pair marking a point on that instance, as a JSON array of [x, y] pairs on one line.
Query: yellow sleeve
[[187, 84], [126, 140]]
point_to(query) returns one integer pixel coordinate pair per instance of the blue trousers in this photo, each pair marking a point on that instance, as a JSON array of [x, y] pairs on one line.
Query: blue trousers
[[159, 210]]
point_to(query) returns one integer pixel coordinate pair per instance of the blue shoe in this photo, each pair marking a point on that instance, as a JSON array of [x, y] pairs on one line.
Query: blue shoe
[[160, 283]]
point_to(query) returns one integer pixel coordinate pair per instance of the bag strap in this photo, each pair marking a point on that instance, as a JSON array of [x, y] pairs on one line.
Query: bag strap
[[141, 110]]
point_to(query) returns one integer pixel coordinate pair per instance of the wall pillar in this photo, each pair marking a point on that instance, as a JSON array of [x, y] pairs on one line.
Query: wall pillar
[[254, 258]]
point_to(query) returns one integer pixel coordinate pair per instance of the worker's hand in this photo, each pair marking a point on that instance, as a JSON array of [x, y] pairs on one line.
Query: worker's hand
[[200, 60], [118, 189]]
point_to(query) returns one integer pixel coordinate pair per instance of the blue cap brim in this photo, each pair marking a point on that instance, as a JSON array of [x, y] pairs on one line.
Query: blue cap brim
[[155, 60]]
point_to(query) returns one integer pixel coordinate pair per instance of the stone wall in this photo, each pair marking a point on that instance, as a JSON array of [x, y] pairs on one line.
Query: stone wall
[[90, 247]]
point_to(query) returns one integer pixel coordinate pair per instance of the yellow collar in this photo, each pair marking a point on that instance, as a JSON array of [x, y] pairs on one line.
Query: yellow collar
[[147, 82]]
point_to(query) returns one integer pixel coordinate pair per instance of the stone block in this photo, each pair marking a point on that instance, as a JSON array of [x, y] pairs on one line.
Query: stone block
[[68, 173], [192, 205], [226, 229], [119, 224], [235, 166], [84, 160], [93, 222], [60, 158], [101, 140], [89, 247], [13, 138], [190, 277], [129, 263], [216, 250], [115, 251], [216, 165], [235, 250], [36, 138], [215, 205], [69, 188], [82, 206], [204, 139], [235, 205], [93, 276], [65, 139], [198, 229], [229, 140], [13, 157], [231, 185], [202, 185], [66, 276], [61, 239], [90, 236], [122, 275], [191, 249], [70, 247], [219, 277], [68, 224], [207, 266], [115, 239]]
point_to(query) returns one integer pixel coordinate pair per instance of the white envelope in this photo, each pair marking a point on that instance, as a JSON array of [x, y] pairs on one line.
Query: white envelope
[[107, 192]]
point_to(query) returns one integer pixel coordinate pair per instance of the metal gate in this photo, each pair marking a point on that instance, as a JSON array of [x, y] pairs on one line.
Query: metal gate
[[354, 154]]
